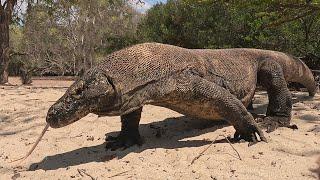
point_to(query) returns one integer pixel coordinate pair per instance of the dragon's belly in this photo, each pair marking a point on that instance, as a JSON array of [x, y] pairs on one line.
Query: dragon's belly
[[201, 110]]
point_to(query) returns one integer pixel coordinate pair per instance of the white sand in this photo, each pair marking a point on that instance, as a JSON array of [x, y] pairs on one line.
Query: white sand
[[77, 151]]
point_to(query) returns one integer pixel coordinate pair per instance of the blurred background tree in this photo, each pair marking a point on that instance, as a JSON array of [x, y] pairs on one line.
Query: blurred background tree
[[6, 12], [66, 37], [290, 26]]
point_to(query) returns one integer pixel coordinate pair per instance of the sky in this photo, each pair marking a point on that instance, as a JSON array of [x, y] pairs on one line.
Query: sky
[[147, 5]]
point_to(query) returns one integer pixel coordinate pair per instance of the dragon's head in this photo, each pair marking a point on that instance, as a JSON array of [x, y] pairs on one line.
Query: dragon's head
[[92, 93]]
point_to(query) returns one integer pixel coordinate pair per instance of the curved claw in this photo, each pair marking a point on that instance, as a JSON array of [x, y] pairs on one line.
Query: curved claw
[[250, 135], [261, 135]]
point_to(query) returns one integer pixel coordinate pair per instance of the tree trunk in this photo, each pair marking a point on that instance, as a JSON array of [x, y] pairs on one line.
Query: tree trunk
[[4, 47], [26, 76], [5, 19]]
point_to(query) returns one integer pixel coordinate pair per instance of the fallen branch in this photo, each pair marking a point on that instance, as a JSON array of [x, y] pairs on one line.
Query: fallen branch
[[118, 174], [83, 171], [232, 147], [202, 152]]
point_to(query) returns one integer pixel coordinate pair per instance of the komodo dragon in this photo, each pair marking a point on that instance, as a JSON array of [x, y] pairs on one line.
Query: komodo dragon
[[203, 83]]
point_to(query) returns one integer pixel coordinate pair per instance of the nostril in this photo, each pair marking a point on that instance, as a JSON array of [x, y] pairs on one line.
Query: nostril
[[51, 111]]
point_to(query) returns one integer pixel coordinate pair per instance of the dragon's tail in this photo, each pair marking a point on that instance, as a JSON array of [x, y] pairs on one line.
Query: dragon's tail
[[303, 75]]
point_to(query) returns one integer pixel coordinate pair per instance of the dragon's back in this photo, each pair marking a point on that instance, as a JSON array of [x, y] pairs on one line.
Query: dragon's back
[[138, 65], [232, 64], [244, 63]]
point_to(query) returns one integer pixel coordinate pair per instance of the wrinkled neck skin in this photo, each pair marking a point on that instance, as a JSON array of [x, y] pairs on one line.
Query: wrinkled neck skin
[[92, 93]]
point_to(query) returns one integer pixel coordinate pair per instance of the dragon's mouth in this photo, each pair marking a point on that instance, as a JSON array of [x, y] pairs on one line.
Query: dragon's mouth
[[59, 116]]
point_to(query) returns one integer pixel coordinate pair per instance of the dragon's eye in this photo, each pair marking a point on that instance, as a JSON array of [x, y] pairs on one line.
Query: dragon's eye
[[77, 90]]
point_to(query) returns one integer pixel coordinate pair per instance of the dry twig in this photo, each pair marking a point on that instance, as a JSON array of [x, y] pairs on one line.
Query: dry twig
[[232, 146], [202, 152], [83, 171], [118, 174]]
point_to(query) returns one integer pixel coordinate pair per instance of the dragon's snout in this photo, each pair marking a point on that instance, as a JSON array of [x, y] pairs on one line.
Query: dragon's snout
[[64, 113], [59, 116]]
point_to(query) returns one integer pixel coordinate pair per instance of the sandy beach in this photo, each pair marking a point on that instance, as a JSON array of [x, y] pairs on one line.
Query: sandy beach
[[172, 141]]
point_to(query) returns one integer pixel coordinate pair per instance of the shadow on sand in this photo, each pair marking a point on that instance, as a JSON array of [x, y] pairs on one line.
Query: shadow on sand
[[167, 134]]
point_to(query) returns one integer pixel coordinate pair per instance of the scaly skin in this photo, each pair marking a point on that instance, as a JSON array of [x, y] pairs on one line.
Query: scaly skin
[[206, 84]]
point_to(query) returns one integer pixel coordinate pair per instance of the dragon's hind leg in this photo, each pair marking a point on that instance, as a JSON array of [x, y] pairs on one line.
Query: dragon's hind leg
[[229, 107], [195, 96], [270, 76]]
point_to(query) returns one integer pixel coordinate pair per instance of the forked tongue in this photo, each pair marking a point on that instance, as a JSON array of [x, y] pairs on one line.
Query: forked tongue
[[34, 146]]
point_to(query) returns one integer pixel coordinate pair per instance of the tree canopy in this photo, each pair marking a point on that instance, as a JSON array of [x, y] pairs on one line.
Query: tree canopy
[[63, 37], [290, 26]]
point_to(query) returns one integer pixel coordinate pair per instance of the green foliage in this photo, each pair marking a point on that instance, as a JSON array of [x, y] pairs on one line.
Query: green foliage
[[289, 26]]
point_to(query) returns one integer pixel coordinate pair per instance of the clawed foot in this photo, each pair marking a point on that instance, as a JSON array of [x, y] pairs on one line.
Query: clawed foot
[[123, 141], [250, 135], [271, 123]]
